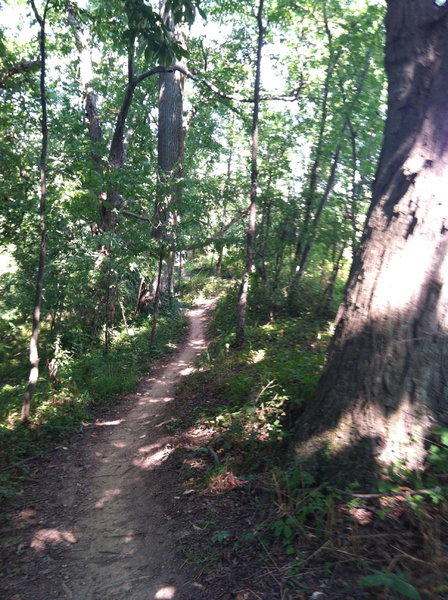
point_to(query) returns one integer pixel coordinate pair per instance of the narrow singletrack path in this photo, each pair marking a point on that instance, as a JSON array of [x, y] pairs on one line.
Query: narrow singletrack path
[[110, 535]]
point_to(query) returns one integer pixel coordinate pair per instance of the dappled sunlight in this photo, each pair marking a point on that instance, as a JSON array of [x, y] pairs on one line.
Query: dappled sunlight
[[105, 459], [187, 371], [165, 593], [45, 538], [153, 459], [401, 280], [398, 439], [149, 448], [119, 444], [108, 496], [197, 344], [392, 438], [109, 423], [158, 399], [258, 355]]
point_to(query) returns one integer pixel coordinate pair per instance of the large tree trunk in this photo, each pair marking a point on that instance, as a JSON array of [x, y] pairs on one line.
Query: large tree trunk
[[34, 341], [170, 136], [170, 144], [385, 383]]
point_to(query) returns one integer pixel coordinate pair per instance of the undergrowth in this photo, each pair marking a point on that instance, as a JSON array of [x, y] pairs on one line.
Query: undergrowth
[[386, 542], [85, 384]]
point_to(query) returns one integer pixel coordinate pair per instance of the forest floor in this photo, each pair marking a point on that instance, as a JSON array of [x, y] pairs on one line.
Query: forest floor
[[144, 504], [96, 520]]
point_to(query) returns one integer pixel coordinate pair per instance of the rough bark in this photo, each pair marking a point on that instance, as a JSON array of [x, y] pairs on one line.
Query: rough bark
[[170, 145], [250, 235], [385, 383], [34, 341]]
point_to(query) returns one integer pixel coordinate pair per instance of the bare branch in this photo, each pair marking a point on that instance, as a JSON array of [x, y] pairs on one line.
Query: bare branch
[[218, 235], [159, 69], [129, 213]]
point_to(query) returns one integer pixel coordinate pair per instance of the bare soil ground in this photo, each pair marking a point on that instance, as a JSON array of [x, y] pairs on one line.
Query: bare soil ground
[[98, 521]]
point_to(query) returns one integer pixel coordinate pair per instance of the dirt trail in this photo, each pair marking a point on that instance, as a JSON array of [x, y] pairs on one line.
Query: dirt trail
[[109, 534]]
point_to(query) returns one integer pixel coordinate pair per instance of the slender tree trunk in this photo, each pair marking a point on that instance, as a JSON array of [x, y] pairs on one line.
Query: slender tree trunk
[[155, 314], [123, 315], [385, 383], [142, 292], [312, 226], [225, 194], [307, 239], [265, 230], [170, 276], [327, 296], [117, 151], [109, 303], [250, 236], [34, 341], [218, 267], [318, 152]]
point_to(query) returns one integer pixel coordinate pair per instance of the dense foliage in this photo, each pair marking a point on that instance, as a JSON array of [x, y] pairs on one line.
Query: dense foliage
[[320, 125]]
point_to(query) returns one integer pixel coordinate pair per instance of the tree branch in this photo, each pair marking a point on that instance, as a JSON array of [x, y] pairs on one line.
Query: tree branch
[[22, 67], [160, 69], [217, 236], [129, 213]]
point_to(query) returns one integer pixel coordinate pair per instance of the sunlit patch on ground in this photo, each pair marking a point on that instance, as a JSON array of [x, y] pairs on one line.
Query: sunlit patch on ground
[[51, 537], [28, 515], [119, 444], [166, 593], [187, 371], [225, 482], [147, 462], [109, 423], [108, 496]]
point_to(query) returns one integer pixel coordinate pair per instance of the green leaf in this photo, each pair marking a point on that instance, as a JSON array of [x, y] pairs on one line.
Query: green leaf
[[393, 582], [405, 588], [443, 433], [219, 536], [376, 580], [287, 531]]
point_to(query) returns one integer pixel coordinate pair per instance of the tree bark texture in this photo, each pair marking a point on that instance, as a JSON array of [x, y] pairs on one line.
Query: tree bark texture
[[170, 143], [250, 235], [385, 385]]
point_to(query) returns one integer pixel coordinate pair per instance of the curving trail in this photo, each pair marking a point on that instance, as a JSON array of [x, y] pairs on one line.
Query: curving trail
[[113, 537]]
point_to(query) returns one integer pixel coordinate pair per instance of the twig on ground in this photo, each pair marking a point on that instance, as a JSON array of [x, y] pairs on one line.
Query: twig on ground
[[316, 552], [390, 494], [213, 455]]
